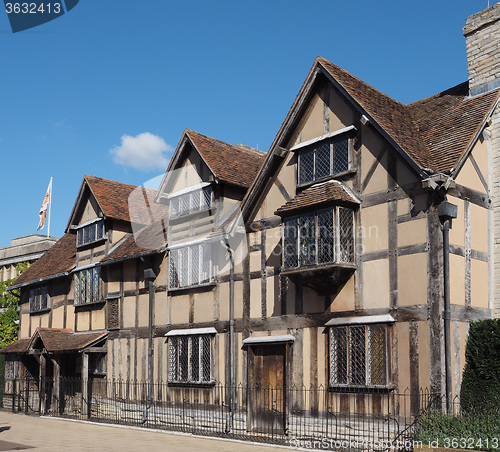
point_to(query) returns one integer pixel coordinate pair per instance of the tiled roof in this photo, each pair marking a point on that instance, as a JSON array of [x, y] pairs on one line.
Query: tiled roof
[[115, 200], [318, 195], [65, 340], [57, 260], [434, 132], [148, 240], [231, 164], [448, 122], [20, 346]]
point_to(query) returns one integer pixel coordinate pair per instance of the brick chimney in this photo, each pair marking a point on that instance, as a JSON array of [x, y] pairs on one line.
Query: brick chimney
[[482, 36]]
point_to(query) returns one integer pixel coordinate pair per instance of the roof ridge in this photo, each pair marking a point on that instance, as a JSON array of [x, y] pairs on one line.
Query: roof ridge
[[320, 58]]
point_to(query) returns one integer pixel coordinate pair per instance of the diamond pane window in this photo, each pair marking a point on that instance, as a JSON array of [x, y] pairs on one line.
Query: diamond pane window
[[359, 355], [190, 359], [346, 234], [90, 233], [326, 236], [193, 201], [88, 286], [190, 266], [38, 299], [290, 234], [323, 159], [307, 240], [306, 166], [340, 150], [313, 239]]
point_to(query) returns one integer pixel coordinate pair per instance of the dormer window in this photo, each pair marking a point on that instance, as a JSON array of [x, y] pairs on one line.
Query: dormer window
[[323, 157], [90, 232], [190, 202]]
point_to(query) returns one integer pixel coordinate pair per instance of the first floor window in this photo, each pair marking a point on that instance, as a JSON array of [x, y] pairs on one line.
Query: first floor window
[[320, 237], [324, 159], [88, 286], [190, 359], [38, 299], [190, 266], [358, 355], [91, 233]]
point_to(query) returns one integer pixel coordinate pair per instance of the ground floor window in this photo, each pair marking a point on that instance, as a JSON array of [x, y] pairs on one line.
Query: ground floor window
[[359, 355], [190, 358], [13, 367]]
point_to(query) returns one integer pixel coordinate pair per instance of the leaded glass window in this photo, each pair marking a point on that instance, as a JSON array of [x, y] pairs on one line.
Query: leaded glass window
[[314, 238], [91, 233], [359, 355], [323, 159], [191, 202], [190, 266], [190, 359], [38, 299], [88, 286]]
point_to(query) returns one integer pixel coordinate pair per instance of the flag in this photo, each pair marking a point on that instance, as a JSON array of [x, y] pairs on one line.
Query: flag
[[45, 205]]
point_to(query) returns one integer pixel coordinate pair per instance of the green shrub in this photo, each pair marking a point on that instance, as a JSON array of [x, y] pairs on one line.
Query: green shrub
[[481, 378], [478, 431]]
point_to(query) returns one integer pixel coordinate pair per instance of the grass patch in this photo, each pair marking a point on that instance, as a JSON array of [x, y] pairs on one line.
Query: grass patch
[[472, 430]]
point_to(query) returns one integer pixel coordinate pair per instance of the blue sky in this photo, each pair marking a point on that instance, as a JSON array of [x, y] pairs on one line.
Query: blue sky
[[87, 92]]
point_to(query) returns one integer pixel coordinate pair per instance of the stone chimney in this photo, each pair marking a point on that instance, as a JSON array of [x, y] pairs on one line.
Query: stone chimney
[[482, 36]]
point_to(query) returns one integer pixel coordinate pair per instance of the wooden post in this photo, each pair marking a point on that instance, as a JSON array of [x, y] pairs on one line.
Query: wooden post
[[85, 384], [56, 390], [42, 392]]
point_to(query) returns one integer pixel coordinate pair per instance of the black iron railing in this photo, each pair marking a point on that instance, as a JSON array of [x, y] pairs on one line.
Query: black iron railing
[[369, 419]]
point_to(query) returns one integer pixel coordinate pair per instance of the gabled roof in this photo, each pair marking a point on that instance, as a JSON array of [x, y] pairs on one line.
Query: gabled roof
[[319, 195], [149, 240], [431, 135], [57, 261], [237, 165], [20, 346], [231, 164], [449, 123], [113, 199], [65, 340]]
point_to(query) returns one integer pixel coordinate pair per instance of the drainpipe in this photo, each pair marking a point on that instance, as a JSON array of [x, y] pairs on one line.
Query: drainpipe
[[231, 336], [446, 212], [149, 276]]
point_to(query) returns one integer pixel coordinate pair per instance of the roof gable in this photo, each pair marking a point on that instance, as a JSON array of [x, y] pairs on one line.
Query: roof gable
[[230, 164], [111, 198], [432, 135]]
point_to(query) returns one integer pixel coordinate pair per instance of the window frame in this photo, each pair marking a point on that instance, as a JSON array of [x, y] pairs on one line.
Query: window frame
[[351, 349], [39, 299], [98, 229], [202, 203], [181, 373], [338, 247], [180, 257], [315, 146], [95, 281]]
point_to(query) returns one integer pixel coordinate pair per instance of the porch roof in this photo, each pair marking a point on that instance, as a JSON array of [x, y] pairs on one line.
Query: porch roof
[[58, 340], [320, 194], [20, 346]]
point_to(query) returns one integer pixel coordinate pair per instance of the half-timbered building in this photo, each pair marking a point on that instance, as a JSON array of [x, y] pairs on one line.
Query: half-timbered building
[[352, 256]]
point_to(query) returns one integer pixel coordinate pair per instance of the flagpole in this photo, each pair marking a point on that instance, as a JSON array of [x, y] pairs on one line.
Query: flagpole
[[50, 206]]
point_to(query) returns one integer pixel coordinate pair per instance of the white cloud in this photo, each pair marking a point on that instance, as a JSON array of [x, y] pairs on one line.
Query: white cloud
[[143, 152]]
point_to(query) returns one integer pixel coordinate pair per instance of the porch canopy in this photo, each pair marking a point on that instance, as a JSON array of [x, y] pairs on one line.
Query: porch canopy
[[56, 340]]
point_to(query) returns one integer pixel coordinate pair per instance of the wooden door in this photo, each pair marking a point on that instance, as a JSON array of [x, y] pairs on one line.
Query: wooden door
[[267, 390]]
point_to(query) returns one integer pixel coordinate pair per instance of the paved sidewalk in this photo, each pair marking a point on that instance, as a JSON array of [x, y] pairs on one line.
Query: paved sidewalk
[[33, 433]]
